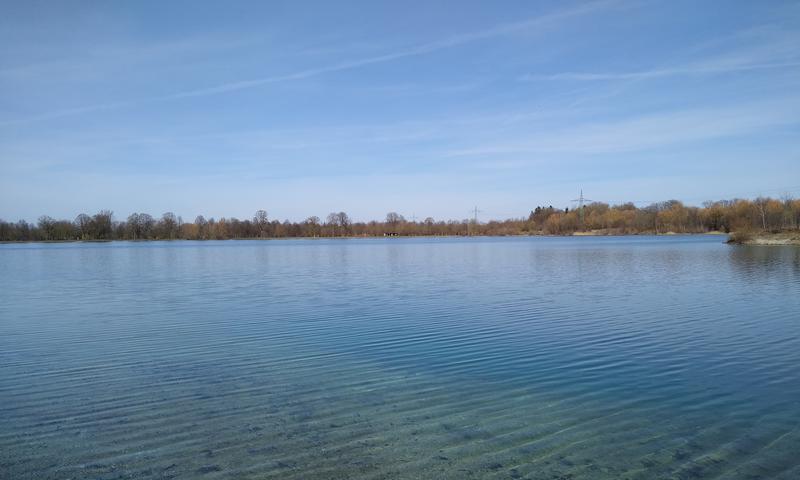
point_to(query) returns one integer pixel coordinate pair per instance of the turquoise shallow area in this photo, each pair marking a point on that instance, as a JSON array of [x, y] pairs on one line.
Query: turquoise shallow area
[[539, 358]]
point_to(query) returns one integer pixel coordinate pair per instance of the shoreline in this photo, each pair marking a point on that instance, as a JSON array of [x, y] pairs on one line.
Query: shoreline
[[765, 238], [353, 237]]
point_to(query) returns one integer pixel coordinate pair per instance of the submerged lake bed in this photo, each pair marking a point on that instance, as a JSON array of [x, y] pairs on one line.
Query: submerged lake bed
[[526, 357]]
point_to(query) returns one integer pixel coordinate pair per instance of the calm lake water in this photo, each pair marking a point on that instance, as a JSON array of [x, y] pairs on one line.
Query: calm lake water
[[541, 358]]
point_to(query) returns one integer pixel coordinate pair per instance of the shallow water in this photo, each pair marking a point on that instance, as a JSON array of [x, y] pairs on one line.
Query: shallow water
[[633, 357]]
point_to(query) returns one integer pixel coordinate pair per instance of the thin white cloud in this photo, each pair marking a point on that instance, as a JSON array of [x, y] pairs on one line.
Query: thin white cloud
[[422, 49], [662, 72], [70, 112], [773, 50], [78, 64], [648, 131]]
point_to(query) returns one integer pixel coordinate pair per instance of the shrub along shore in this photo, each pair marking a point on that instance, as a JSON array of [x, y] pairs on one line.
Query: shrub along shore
[[760, 221]]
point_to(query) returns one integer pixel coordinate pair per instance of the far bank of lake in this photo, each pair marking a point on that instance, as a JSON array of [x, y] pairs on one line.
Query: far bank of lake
[[590, 233]]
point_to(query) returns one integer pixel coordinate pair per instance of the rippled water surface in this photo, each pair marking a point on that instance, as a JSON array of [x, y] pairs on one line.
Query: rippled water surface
[[535, 358]]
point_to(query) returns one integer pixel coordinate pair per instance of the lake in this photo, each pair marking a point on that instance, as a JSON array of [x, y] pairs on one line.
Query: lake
[[441, 358]]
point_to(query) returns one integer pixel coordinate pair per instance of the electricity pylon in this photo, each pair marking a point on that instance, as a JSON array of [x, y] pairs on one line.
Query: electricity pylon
[[581, 201], [474, 213]]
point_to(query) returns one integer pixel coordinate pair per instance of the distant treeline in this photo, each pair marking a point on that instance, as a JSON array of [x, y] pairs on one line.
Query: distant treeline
[[761, 214]]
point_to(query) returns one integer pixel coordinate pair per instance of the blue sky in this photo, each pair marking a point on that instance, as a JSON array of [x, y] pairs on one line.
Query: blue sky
[[424, 108]]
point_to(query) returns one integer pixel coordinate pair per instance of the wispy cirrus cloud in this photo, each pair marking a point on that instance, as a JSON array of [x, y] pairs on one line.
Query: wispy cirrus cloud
[[644, 132], [422, 49], [774, 50], [548, 20], [662, 72]]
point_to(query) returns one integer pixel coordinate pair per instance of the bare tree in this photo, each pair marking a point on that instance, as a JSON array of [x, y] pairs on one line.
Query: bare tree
[[312, 226], [140, 226], [47, 225], [261, 221], [761, 206], [333, 222], [169, 225], [393, 219], [84, 224], [202, 227], [343, 221], [102, 225], [133, 226], [429, 221], [339, 222], [146, 224]]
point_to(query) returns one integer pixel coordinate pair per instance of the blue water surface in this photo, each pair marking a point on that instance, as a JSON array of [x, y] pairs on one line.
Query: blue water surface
[[597, 357]]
